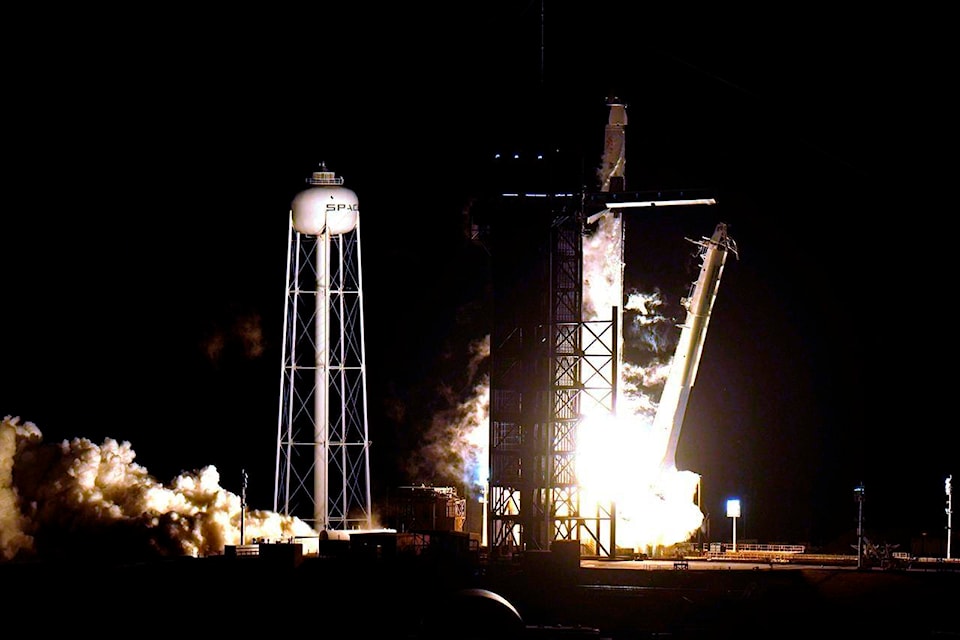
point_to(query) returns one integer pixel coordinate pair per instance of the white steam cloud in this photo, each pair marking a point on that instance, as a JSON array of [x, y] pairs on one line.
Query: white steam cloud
[[454, 448], [80, 498], [603, 269], [243, 336]]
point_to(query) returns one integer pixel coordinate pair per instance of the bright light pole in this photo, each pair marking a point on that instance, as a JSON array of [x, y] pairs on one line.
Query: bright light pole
[[858, 492], [949, 512], [733, 511], [484, 500]]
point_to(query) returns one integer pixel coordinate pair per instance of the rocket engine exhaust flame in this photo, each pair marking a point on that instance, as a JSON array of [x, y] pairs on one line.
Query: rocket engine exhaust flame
[[629, 458]]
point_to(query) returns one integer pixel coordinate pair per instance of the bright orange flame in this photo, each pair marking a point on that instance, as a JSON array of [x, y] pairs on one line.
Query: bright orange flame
[[619, 457], [618, 463]]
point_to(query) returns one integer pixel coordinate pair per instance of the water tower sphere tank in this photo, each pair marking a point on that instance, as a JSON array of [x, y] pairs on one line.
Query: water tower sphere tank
[[329, 208]]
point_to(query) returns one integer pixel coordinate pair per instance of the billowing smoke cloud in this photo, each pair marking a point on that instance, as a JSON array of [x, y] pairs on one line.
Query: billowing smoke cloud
[[80, 499], [651, 337], [635, 381], [603, 269], [454, 448], [242, 336], [645, 305]]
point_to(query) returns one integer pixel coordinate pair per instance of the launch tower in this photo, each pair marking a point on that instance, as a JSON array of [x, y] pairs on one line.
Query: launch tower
[[537, 370], [323, 449], [552, 360]]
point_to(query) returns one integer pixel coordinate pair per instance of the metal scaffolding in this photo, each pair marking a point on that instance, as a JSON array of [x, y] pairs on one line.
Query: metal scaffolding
[[323, 448], [541, 358]]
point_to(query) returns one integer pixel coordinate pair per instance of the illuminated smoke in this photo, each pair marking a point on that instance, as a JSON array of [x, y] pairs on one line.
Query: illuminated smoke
[[635, 385], [77, 498], [602, 269], [13, 525], [619, 457], [454, 448], [479, 351], [242, 336], [645, 305], [645, 326]]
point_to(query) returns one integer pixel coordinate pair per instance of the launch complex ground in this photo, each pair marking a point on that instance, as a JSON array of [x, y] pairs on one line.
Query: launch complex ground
[[424, 581], [450, 591]]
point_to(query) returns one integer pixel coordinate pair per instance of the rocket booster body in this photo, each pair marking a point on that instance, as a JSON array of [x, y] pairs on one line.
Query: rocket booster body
[[686, 360]]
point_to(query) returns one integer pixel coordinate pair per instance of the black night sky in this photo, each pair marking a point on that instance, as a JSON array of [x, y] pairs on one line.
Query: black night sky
[[150, 168]]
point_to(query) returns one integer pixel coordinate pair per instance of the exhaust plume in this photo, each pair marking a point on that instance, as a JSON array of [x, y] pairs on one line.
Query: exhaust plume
[[78, 499]]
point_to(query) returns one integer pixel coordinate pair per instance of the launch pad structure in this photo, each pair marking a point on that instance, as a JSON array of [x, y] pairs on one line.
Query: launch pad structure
[[549, 363], [537, 364]]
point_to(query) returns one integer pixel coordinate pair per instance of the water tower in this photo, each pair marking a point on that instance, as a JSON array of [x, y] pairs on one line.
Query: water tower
[[323, 449]]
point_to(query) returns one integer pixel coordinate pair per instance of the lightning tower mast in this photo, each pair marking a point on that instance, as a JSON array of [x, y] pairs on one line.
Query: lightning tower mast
[[323, 449], [949, 510]]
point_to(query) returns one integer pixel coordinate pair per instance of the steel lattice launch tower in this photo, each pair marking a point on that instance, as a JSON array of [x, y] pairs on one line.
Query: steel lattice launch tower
[[557, 348], [323, 448]]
